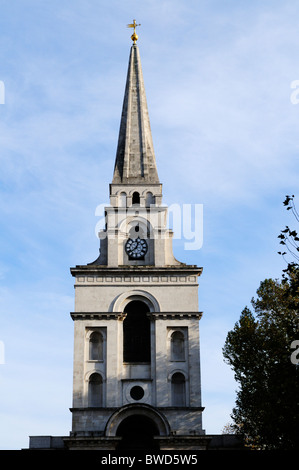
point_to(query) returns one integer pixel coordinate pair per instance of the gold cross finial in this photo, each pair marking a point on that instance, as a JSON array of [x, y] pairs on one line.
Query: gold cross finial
[[134, 36]]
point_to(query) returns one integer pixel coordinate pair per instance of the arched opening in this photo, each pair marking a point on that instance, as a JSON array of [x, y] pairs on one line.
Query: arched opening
[[136, 333], [178, 389], [136, 198], [137, 432], [122, 199], [137, 230], [149, 199], [96, 347], [177, 352], [95, 390], [120, 302], [140, 409]]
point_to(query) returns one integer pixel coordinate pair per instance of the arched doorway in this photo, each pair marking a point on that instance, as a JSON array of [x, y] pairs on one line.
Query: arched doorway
[[137, 432], [141, 419]]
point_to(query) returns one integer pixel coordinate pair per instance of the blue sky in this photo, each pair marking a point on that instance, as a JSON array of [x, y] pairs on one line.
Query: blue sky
[[218, 80]]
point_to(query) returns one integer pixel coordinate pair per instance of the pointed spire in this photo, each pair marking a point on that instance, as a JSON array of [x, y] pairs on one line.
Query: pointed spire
[[135, 158]]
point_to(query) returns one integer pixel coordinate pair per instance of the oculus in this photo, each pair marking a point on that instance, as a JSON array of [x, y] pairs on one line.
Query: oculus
[[137, 392]]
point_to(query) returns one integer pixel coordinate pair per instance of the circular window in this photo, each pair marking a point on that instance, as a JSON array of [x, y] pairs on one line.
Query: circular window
[[137, 392]]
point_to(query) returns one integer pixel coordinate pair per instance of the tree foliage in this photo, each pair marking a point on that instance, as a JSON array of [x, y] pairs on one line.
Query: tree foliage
[[259, 351], [289, 238]]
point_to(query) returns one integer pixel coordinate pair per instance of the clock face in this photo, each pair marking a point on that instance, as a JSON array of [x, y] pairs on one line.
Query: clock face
[[136, 248]]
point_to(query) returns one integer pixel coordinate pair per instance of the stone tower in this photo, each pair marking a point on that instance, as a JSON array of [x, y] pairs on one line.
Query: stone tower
[[136, 382]]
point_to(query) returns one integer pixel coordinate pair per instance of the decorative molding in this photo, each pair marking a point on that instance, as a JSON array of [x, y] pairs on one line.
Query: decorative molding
[[97, 315], [174, 315], [122, 300], [141, 278], [104, 271], [121, 315]]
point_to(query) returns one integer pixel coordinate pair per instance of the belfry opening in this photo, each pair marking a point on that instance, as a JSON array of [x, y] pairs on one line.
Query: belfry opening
[[136, 333]]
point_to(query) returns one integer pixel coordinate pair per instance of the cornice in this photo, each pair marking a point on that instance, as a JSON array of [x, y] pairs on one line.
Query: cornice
[[93, 269], [121, 315]]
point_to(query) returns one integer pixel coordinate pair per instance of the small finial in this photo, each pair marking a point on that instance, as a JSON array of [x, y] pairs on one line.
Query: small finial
[[134, 36]]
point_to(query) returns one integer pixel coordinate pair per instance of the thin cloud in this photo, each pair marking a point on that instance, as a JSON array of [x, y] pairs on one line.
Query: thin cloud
[[217, 79]]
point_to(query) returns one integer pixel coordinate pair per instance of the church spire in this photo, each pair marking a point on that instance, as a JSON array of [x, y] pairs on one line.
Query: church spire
[[135, 161]]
